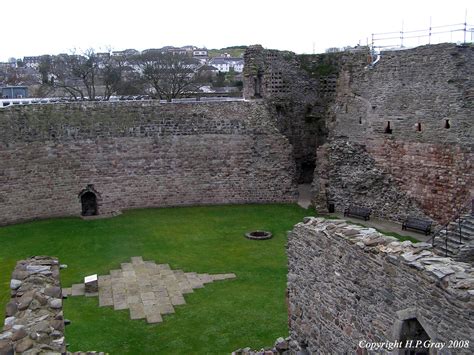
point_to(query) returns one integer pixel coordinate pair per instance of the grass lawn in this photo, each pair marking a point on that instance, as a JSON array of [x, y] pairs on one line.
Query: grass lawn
[[221, 317]]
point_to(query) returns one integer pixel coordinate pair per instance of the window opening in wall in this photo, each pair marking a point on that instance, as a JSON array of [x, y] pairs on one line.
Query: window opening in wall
[[360, 120], [411, 333], [388, 130], [447, 125], [418, 126]]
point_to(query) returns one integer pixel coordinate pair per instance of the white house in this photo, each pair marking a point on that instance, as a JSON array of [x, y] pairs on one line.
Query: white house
[[224, 64]]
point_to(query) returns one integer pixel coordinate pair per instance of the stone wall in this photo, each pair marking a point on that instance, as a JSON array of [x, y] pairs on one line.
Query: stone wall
[[411, 114], [34, 318], [139, 154], [350, 286], [347, 174], [298, 91]]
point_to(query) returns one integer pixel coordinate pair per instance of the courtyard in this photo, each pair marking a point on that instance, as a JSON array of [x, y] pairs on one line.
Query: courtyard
[[222, 316]]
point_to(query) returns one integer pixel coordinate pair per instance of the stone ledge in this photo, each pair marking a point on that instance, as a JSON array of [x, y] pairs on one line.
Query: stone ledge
[[458, 277]]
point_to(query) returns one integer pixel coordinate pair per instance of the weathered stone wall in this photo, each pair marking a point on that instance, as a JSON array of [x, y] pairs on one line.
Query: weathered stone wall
[[298, 91], [347, 174], [139, 154], [34, 320], [348, 284], [426, 96]]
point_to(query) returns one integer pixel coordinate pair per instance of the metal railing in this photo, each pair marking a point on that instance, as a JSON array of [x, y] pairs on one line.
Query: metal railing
[[456, 33], [52, 100], [457, 217]]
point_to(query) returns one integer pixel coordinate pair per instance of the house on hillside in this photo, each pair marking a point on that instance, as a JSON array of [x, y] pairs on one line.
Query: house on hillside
[[32, 62], [14, 92], [225, 64], [201, 54]]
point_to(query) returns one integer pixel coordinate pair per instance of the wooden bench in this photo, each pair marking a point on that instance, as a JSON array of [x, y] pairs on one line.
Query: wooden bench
[[417, 225], [357, 211]]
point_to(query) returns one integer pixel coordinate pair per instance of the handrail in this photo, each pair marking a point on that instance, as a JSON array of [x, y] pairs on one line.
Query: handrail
[[456, 217]]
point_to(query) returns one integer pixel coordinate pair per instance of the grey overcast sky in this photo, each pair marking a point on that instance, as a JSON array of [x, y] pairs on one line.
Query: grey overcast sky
[[35, 27]]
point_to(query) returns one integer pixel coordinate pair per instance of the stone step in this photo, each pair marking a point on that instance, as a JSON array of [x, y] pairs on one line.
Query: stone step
[[464, 225], [441, 250], [467, 228], [452, 247], [454, 236]]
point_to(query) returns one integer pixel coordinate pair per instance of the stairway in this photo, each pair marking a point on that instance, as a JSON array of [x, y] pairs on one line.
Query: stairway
[[457, 238]]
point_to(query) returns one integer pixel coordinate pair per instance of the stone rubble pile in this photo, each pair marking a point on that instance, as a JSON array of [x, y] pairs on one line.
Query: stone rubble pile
[[281, 347], [34, 320]]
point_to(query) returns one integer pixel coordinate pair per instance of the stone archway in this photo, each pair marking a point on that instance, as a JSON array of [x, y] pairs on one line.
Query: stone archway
[[89, 204], [89, 199], [411, 330], [412, 334]]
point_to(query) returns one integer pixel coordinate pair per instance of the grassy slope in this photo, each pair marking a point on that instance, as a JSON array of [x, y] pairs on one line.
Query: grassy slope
[[221, 317]]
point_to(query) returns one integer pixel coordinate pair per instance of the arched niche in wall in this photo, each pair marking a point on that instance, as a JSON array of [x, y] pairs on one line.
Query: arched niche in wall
[[89, 199], [411, 329]]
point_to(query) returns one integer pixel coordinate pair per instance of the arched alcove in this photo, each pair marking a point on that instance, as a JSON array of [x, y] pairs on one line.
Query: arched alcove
[[89, 199], [412, 335], [411, 329], [89, 204]]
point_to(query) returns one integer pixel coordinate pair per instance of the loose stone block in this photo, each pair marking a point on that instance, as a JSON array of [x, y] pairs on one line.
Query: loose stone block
[[154, 318], [78, 290], [91, 284], [137, 311], [148, 296], [137, 260], [105, 301], [177, 300], [120, 305]]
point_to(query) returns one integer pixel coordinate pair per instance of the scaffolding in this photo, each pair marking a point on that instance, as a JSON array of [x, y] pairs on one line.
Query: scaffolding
[[461, 33]]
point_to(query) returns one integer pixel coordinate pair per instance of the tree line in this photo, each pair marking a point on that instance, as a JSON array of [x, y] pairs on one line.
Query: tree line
[[92, 76], [98, 76]]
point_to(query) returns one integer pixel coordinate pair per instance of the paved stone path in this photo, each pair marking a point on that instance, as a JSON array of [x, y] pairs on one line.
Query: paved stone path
[[304, 195], [147, 289]]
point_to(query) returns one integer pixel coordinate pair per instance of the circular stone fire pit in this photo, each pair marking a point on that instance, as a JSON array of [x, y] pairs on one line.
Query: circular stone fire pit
[[258, 235]]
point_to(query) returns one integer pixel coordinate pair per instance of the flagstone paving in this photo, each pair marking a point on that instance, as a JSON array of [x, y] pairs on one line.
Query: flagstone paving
[[147, 289]]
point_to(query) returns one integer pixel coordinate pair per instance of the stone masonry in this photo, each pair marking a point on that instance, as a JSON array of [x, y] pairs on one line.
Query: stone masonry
[[147, 289], [34, 320], [139, 154], [350, 285], [410, 115]]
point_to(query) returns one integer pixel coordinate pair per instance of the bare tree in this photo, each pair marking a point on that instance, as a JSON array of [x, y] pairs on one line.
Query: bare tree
[[171, 75], [76, 74]]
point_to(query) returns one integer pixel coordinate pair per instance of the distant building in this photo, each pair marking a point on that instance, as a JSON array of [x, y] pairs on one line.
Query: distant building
[[225, 64], [7, 65], [201, 54], [34, 61], [14, 92], [175, 50], [125, 53], [31, 62]]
